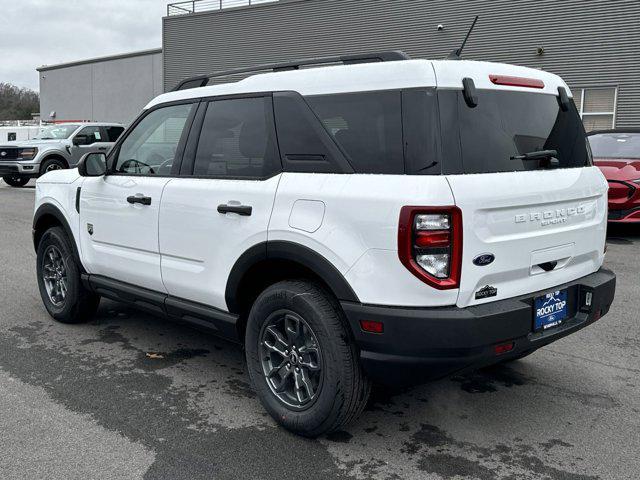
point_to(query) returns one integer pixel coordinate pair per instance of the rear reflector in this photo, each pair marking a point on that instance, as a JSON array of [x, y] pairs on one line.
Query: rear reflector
[[433, 239], [516, 81], [503, 348], [372, 326]]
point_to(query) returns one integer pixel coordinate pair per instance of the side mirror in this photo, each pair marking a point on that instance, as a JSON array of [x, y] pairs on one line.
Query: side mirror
[[93, 165]]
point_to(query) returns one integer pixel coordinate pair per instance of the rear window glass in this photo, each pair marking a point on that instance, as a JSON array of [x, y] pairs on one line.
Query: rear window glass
[[366, 126], [505, 125], [113, 133], [615, 145]]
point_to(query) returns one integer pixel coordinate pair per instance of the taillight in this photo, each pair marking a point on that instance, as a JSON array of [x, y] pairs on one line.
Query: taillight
[[430, 244]]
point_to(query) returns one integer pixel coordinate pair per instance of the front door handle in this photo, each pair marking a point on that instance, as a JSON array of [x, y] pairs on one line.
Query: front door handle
[[141, 199], [102, 148], [244, 210]]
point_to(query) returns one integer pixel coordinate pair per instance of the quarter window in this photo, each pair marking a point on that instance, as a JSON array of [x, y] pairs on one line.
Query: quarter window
[[367, 126], [151, 146], [237, 139], [597, 107]]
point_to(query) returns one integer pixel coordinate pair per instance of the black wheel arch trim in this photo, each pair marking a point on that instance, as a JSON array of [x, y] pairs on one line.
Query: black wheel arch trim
[[288, 251], [52, 210]]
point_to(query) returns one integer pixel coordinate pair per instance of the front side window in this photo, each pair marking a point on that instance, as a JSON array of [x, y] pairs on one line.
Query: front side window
[[89, 136], [151, 146], [367, 126], [509, 131], [237, 139]]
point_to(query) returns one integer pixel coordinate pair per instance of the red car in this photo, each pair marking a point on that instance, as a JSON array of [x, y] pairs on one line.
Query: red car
[[617, 153]]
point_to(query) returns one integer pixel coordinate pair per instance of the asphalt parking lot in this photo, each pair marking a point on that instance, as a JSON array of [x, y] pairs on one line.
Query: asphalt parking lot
[[132, 396]]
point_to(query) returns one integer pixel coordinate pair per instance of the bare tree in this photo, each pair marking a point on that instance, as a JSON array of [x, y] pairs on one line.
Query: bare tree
[[17, 103]]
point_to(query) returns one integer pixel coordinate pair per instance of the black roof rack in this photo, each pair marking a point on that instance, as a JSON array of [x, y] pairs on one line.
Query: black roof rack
[[202, 80]]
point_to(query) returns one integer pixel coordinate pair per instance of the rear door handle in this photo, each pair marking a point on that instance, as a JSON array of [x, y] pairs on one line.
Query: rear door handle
[[244, 210], [141, 199]]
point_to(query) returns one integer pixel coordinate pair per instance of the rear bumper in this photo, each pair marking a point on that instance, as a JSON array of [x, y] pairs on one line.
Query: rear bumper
[[420, 344]]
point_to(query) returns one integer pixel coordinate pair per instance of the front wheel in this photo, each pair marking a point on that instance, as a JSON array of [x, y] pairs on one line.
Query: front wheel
[[301, 361], [61, 289], [51, 165], [17, 181]]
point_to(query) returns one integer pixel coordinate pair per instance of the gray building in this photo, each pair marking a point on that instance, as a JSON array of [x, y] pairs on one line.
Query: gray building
[[107, 89], [594, 45]]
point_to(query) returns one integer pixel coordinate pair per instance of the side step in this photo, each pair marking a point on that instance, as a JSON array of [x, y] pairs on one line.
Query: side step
[[221, 323]]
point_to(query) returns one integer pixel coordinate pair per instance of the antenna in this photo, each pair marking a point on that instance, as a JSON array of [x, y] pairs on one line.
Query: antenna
[[456, 54]]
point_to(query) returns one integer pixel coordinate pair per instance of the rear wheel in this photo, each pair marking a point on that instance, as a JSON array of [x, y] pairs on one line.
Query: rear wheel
[[301, 361], [16, 180], [63, 294]]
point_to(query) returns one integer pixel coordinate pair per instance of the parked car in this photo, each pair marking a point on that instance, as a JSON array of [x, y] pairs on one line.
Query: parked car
[[390, 221], [54, 147], [617, 153]]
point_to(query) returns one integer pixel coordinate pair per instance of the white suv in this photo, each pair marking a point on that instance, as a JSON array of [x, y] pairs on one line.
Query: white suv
[[387, 220]]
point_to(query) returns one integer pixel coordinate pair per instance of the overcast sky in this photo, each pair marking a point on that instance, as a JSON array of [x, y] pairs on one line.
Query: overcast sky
[[47, 32]]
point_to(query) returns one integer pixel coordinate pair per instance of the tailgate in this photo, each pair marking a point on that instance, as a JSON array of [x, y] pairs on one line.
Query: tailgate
[[544, 227]]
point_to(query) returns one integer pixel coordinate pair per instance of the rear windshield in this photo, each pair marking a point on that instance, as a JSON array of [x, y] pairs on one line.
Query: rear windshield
[[506, 126], [434, 132], [615, 145]]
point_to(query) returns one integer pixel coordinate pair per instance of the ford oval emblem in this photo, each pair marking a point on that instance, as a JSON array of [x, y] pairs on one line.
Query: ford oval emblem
[[484, 259]]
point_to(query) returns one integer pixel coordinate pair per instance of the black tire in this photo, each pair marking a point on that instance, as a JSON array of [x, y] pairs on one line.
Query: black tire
[[78, 304], [17, 181], [51, 164], [342, 390]]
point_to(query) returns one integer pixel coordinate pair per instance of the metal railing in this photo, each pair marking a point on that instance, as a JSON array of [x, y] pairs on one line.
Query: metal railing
[[197, 6]]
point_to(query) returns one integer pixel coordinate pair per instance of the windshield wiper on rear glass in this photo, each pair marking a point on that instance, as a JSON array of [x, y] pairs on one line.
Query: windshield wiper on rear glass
[[538, 155]]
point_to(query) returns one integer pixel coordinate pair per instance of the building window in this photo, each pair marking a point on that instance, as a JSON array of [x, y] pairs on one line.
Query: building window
[[597, 107]]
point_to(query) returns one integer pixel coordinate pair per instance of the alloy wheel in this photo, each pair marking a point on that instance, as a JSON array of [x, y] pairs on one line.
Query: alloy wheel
[[52, 167], [291, 359], [54, 274]]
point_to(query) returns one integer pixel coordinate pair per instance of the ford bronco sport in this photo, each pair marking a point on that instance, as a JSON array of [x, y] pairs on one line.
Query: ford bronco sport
[[386, 220]]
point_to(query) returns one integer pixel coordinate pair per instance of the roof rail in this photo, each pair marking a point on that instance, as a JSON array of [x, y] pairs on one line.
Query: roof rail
[[388, 56]]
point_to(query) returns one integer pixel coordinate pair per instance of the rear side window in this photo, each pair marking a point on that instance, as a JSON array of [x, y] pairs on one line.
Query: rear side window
[[505, 125], [305, 146], [366, 126], [113, 133], [238, 140]]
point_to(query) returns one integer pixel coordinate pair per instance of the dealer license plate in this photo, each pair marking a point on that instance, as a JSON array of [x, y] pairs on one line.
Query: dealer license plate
[[550, 310]]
